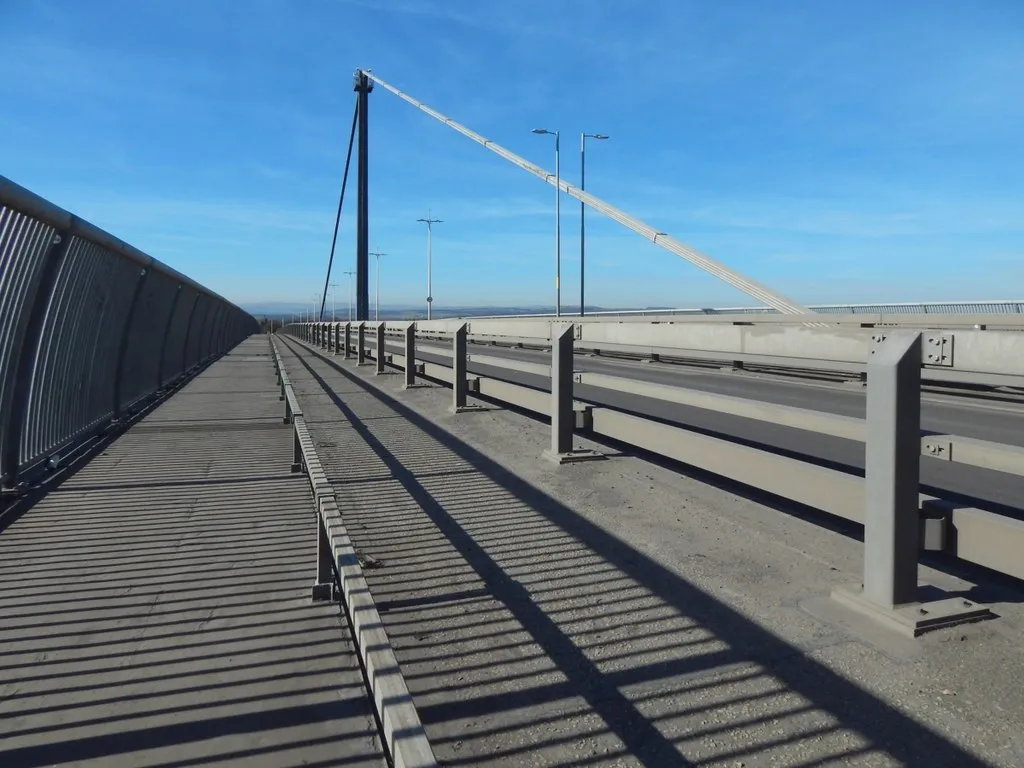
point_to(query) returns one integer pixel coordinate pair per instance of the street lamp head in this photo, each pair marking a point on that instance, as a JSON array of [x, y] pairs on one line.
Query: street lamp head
[[599, 136], [543, 131]]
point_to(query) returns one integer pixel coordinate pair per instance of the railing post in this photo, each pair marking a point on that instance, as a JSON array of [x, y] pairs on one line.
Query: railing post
[[323, 589], [26, 345], [889, 591], [410, 355], [361, 344], [336, 330], [892, 471], [348, 341], [563, 417], [459, 385], [166, 336], [122, 347], [381, 349], [297, 462]]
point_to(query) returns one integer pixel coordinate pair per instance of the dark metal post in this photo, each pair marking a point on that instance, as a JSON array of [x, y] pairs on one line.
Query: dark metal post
[[348, 341], [297, 462], [361, 344], [892, 471], [583, 219], [167, 335], [26, 344], [188, 333], [122, 347], [410, 355], [323, 589], [381, 349], [459, 387], [363, 85]]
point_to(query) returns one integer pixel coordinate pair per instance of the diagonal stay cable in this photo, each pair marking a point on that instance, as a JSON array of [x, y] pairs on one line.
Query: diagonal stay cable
[[749, 286], [341, 199]]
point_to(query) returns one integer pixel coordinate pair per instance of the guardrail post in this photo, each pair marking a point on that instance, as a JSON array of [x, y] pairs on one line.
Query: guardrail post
[[361, 344], [323, 589], [348, 341], [889, 591], [459, 386], [562, 417], [336, 330], [297, 462], [410, 355], [381, 349]]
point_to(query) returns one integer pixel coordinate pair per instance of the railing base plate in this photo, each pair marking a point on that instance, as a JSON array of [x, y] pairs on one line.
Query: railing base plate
[[912, 619]]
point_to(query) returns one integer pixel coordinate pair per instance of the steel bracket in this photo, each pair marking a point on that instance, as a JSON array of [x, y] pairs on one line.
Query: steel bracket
[[937, 349], [937, 447]]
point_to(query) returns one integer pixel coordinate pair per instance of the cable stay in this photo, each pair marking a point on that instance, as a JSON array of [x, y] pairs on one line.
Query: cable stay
[[341, 200], [750, 287]]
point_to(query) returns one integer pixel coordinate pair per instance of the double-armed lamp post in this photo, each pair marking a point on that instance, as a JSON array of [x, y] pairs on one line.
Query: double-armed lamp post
[[558, 217]]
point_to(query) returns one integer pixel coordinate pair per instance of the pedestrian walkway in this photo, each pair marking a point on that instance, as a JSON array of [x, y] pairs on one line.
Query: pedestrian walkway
[[155, 607], [528, 635]]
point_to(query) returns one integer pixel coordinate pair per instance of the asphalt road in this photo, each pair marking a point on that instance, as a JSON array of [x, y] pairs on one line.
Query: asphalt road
[[994, 421]]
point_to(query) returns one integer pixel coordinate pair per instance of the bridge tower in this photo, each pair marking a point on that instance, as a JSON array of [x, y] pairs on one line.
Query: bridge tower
[[362, 85]]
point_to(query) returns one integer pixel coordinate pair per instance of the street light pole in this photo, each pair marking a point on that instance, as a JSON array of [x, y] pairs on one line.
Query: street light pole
[[430, 291], [334, 302], [351, 292], [376, 310], [558, 225], [583, 211]]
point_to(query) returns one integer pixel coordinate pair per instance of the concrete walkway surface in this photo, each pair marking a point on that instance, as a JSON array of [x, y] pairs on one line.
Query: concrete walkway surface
[[155, 607]]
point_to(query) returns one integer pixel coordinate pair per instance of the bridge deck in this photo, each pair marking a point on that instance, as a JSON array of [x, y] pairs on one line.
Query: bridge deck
[[155, 606], [615, 613]]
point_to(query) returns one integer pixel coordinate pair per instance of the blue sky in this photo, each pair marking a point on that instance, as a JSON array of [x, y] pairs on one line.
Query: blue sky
[[835, 151]]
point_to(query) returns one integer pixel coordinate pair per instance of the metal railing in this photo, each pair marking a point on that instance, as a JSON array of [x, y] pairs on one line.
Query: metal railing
[[89, 328], [900, 521]]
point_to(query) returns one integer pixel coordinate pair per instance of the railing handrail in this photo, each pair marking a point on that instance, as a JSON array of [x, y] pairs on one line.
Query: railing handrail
[[13, 195]]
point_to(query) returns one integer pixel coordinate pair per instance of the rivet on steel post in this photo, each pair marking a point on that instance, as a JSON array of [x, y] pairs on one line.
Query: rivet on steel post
[[889, 593], [563, 420]]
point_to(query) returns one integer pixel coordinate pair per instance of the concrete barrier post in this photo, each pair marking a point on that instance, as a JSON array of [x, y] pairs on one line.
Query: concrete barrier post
[[361, 344], [381, 349], [348, 341]]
